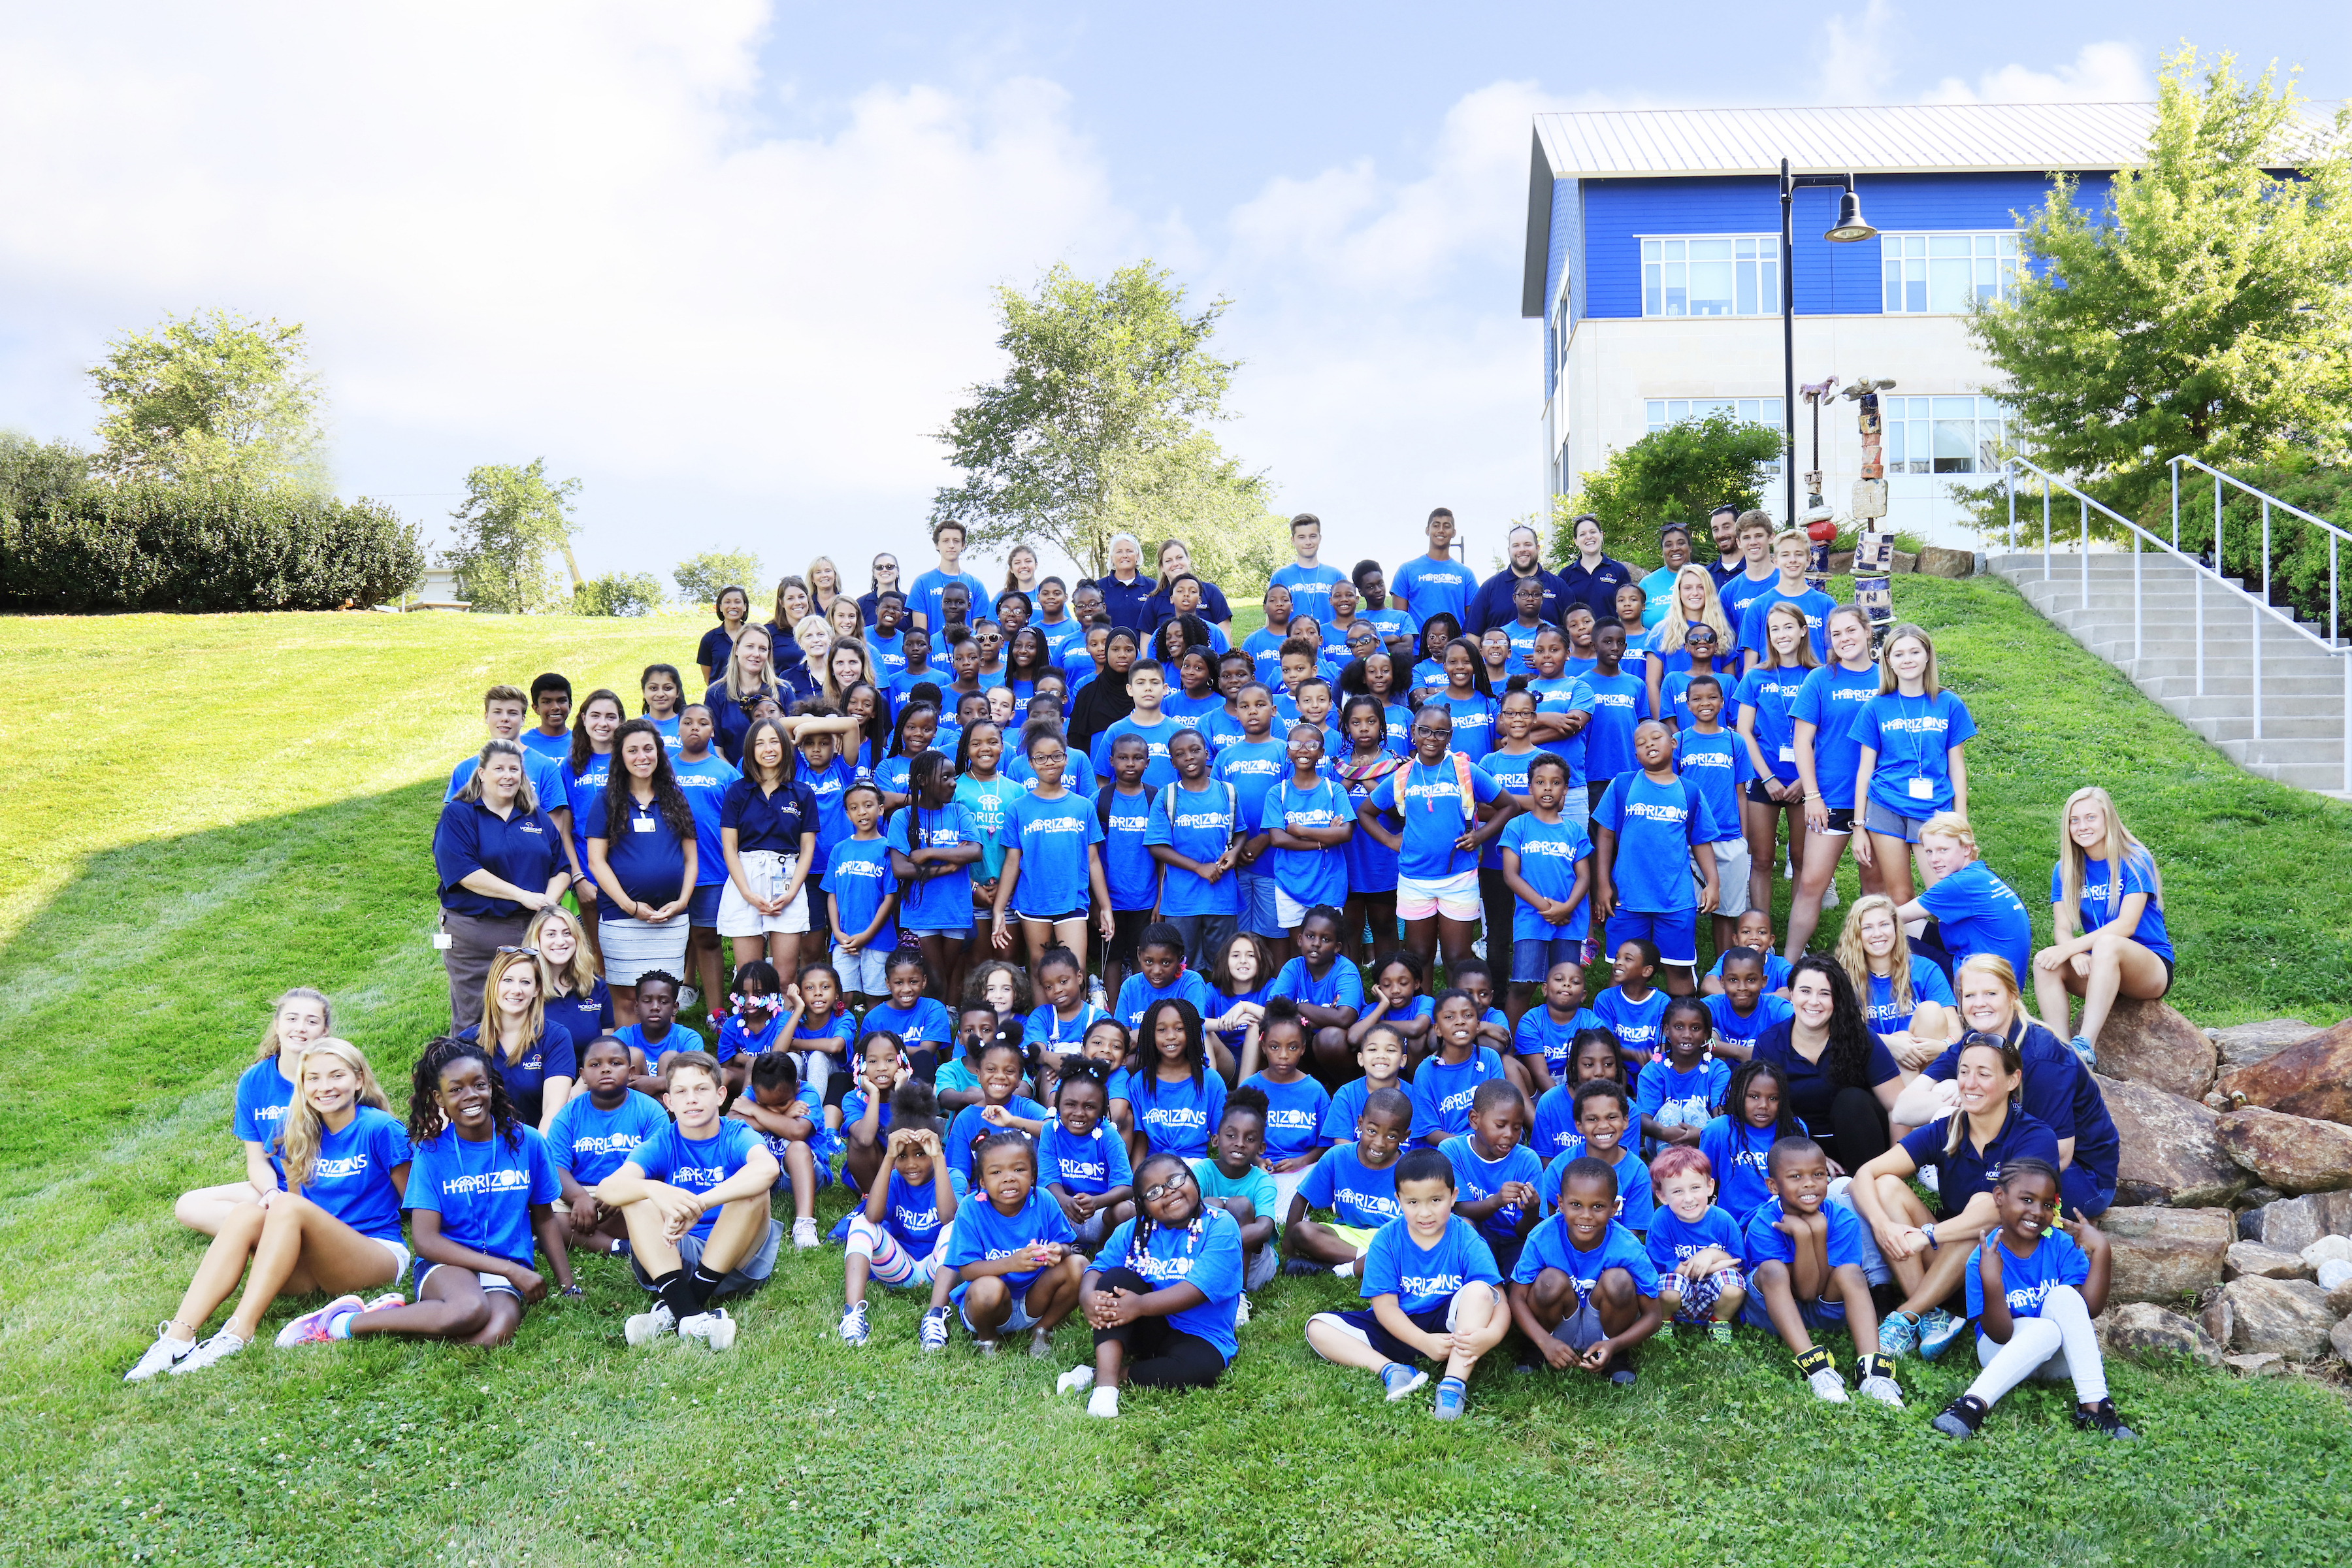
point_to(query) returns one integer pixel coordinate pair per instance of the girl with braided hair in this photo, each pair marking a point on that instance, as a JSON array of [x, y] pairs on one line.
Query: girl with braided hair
[[1162, 1293]]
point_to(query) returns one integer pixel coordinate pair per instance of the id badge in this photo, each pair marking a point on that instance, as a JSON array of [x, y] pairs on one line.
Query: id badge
[[641, 824], [1923, 789], [1787, 753]]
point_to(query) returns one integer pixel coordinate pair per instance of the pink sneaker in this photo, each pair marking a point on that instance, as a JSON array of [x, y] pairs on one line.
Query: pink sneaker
[[389, 1298], [312, 1328]]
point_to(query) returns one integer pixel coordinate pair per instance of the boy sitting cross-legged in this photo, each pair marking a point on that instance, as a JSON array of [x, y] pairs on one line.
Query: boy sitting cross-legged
[[1584, 1292], [1805, 1271]]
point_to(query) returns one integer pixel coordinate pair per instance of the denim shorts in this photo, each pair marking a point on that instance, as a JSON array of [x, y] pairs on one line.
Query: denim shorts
[[1532, 957]]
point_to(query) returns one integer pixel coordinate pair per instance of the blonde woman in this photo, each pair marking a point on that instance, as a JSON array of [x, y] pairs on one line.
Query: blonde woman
[[2106, 910], [578, 1001], [1905, 998], [845, 622], [264, 1092], [811, 640], [535, 1061], [333, 1225], [1176, 560], [1695, 598], [734, 698], [825, 585], [1910, 767], [1767, 694]]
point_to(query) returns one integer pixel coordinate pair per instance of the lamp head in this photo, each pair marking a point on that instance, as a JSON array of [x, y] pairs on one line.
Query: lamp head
[[1850, 228]]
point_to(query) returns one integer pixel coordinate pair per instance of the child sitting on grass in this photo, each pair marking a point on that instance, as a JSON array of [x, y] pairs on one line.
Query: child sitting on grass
[[1233, 1177], [1680, 1095], [1357, 1182], [1002, 1107], [1743, 1008], [1296, 1104], [1013, 1263], [1738, 1144], [1082, 1156], [900, 1237], [1694, 1245], [1804, 1267], [1494, 1172], [1445, 1083], [1547, 1036], [1380, 1053], [1433, 1288], [593, 1133], [1604, 1119], [1594, 1054], [1633, 1008], [784, 1110], [1165, 1305], [1584, 1292]]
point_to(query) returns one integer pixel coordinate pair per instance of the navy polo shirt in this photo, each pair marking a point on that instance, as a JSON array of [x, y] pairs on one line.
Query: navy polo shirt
[[524, 849], [771, 822], [731, 719], [2059, 1092], [1597, 587], [1969, 1170], [646, 856], [1124, 602], [1811, 1088], [1213, 608], [1493, 606]]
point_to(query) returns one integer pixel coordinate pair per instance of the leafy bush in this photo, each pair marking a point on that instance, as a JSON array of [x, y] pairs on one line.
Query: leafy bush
[[618, 593], [1678, 474], [33, 474], [161, 546], [699, 579], [2298, 551]]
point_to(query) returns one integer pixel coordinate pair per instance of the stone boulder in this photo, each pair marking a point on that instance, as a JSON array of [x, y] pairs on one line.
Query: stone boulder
[[2243, 1045], [2163, 1254], [2264, 1262], [2339, 1340], [2311, 1078], [2170, 1156], [2329, 1249], [2292, 1154], [2280, 1317], [2339, 1291], [2147, 1042], [2334, 1274], [2141, 1330], [2267, 1364], [2293, 1223], [1934, 561]]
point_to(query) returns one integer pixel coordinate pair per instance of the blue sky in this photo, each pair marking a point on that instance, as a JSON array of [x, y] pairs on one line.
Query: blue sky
[[729, 263]]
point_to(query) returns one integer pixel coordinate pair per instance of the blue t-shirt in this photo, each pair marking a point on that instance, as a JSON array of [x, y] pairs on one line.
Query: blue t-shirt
[[1310, 589], [1252, 767], [1638, 1026], [351, 1177], [263, 1097], [1554, 1123], [678, 1039], [1093, 1163], [1473, 722], [1509, 769], [1772, 694], [1815, 604], [1129, 870], [1294, 1115], [1137, 993], [1310, 877], [1423, 1278], [484, 1191], [1176, 1118], [1371, 865], [736, 1038], [1913, 737], [941, 902], [557, 747], [1265, 649], [1477, 1178], [1739, 1153], [1052, 836], [1634, 1204], [1047, 1028], [2104, 894], [1549, 852], [923, 596], [1205, 1255], [696, 1164], [1829, 700], [1551, 1246], [1764, 1242], [547, 773], [969, 1127], [1656, 824], [1729, 1026], [859, 878], [704, 783], [1540, 1035], [1340, 985], [1559, 696], [1969, 1170], [1348, 1109], [1158, 772], [911, 1211], [526, 1076], [1777, 972], [1927, 984], [2027, 1281], [927, 1022], [1738, 592], [1978, 913], [1356, 1193], [1620, 703], [1428, 587], [1198, 825], [1429, 802], [1698, 1092], [582, 788], [1717, 767], [1674, 1241], [984, 1231], [987, 799], [592, 1143], [1443, 1090]]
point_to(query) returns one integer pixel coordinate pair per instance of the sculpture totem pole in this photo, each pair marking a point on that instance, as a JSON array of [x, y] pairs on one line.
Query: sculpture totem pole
[[1821, 527], [1874, 549]]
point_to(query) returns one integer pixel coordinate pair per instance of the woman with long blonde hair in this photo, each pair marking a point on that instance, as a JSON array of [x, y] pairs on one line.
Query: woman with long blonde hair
[[536, 1061], [1906, 998], [2107, 911], [1911, 766], [264, 1092], [1695, 604], [823, 585], [1767, 694], [578, 1001], [332, 1225]]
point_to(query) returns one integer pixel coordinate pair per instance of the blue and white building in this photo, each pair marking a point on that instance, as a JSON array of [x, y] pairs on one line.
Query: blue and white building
[[1654, 261]]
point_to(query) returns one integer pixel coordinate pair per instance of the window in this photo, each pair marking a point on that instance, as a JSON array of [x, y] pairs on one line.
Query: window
[[1665, 411], [1727, 275], [1942, 434], [1939, 274]]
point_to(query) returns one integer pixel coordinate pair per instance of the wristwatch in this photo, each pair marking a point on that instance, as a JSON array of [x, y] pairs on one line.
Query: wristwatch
[[1928, 1230]]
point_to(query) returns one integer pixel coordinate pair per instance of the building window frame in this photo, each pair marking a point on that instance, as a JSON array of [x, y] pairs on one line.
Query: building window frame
[[1946, 272], [1700, 276], [1660, 413], [1942, 432]]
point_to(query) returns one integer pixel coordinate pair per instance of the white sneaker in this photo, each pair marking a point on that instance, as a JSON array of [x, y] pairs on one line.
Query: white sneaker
[[220, 1347], [805, 1233], [855, 1331], [1829, 897], [688, 995], [645, 1328], [1828, 1385], [1241, 1310], [713, 1328], [1884, 1390], [1103, 1402], [1075, 1381], [1929, 1177], [1041, 1343], [166, 1353]]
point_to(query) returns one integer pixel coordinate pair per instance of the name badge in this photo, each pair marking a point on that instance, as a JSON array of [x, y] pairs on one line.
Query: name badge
[[1787, 753], [641, 824], [1923, 789]]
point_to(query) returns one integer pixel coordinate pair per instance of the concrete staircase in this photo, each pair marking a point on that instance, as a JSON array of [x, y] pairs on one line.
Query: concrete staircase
[[2305, 686]]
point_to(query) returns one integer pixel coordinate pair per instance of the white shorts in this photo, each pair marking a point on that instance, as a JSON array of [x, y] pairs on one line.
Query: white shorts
[[1288, 913], [1731, 877], [861, 971], [768, 872], [1456, 898], [400, 1257]]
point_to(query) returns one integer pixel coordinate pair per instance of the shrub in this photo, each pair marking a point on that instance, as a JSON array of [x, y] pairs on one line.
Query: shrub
[[161, 546], [699, 579], [1678, 474], [617, 594]]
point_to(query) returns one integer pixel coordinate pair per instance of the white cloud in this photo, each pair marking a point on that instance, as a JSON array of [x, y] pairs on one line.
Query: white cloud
[[1857, 58], [2102, 73]]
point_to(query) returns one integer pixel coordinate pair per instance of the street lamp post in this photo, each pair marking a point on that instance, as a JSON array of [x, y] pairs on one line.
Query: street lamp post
[[1849, 229]]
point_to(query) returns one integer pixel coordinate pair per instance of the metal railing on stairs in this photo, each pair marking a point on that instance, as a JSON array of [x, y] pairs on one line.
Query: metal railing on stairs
[[2258, 606]]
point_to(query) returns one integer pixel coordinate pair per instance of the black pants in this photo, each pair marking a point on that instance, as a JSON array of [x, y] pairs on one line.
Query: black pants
[[1500, 904], [1594, 789], [1158, 1355], [1858, 1132]]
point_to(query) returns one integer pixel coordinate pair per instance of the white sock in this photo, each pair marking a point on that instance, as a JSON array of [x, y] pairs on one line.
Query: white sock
[[1345, 1270], [1103, 1402]]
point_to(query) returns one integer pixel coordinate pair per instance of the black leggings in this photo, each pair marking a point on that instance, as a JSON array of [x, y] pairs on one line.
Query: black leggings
[[1159, 1356], [1858, 1132], [1500, 903]]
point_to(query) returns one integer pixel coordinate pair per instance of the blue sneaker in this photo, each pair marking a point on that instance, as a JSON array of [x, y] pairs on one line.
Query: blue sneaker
[[1938, 1329], [2084, 1049], [1453, 1395], [1401, 1380], [1899, 1334]]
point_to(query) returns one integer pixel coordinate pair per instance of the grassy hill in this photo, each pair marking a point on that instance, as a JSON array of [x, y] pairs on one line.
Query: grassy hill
[[211, 808]]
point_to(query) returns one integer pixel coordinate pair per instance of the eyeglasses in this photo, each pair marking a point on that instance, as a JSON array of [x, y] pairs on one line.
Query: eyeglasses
[[526, 951], [1176, 1182]]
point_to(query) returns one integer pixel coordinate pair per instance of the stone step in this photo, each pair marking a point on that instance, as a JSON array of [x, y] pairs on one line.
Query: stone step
[[2238, 686]]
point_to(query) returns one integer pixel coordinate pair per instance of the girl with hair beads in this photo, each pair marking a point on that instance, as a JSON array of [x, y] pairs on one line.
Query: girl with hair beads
[[900, 1237], [480, 1188], [1162, 1309], [264, 1092], [1757, 1115], [1000, 1107], [1082, 1158], [866, 1110], [1679, 1096], [1013, 1263], [1175, 1101], [755, 1023]]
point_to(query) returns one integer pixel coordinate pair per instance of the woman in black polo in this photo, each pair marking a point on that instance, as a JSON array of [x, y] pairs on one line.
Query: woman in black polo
[[499, 858], [1841, 1078], [767, 831], [641, 850]]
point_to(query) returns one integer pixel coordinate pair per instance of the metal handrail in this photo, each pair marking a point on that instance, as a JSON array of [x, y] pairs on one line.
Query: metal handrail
[[2337, 537]]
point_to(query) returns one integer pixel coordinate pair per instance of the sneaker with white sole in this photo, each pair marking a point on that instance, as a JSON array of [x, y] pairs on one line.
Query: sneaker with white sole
[[1931, 1178], [934, 1332], [1074, 1380], [1041, 1343], [1241, 1310], [316, 1328], [218, 1348], [1938, 1330], [804, 1235], [1898, 1335], [1452, 1399], [1103, 1402], [645, 1328], [389, 1298], [713, 1328], [163, 1355], [1828, 1385], [855, 1330], [1884, 1390], [1401, 1380]]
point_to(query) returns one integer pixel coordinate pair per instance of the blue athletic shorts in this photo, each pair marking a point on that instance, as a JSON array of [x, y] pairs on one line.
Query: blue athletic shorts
[[1258, 912], [1816, 1314], [1673, 933], [702, 909]]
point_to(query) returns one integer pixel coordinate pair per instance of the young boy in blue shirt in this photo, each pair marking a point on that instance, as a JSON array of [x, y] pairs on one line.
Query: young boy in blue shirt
[[1494, 1171], [1633, 1008], [1546, 1036], [1584, 1291], [1650, 832], [1357, 1183], [1604, 1117], [1711, 757], [595, 1131], [1804, 1255], [1694, 1245], [1433, 1288], [1196, 834]]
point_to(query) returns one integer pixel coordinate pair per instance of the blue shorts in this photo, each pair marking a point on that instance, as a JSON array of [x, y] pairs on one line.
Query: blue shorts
[[1258, 912], [1365, 1324], [1532, 957], [702, 909], [2083, 1193], [1675, 933], [1816, 1314]]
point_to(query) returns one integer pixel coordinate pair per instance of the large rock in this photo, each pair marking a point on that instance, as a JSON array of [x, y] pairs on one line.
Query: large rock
[[2313, 1079], [2339, 1292], [2292, 1154], [1934, 561], [2280, 1317], [2333, 1275], [2163, 1254], [2329, 1249], [2339, 1340], [2243, 1045], [2170, 1156], [2144, 1332], [2147, 1042], [2293, 1223], [2266, 1262]]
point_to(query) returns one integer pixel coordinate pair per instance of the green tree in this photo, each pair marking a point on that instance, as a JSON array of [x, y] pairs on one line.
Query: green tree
[[211, 399], [512, 520], [1678, 474], [1097, 427], [618, 593], [35, 474], [699, 579], [2206, 309]]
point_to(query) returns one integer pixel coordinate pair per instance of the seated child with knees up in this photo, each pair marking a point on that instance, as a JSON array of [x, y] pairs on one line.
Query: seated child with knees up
[[1445, 1084], [1234, 1178], [1754, 932], [1604, 1118], [1167, 1296], [593, 1133], [1081, 1155], [755, 1024], [1357, 1182], [1296, 1104], [1380, 1052], [1593, 1055], [1013, 1262], [1495, 1174], [1756, 1115], [784, 1112], [1584, 1292], [1433, 1288], [899, 1236], [1545, 1041], [1804, 1272], [1633, 1008], [655, 1033], [1679, 1096], [1694, 1245], [866, 1108], [1002, 1107], [1477, 981]]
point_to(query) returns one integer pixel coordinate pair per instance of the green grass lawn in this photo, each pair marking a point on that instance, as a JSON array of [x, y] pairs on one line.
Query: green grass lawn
[[244, 802]]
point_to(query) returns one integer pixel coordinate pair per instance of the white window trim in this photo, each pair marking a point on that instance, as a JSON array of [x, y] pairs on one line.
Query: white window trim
[[2015, 258], [1767, 253]]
